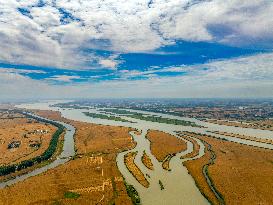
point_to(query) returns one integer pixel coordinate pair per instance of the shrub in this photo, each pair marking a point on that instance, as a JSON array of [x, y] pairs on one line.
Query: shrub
[[71, 195]]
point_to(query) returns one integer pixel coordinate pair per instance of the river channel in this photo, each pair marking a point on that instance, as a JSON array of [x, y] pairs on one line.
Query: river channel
[[67, 153], [179, 186]]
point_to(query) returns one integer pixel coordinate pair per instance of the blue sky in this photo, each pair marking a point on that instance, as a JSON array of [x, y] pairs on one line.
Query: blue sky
[[178, 55], [160, 48]]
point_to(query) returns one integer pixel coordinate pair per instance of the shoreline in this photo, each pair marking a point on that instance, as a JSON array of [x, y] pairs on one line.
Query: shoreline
[[60, 159]]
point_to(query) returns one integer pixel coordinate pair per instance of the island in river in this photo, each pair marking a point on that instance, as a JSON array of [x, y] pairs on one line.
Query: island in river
[[195, 163]]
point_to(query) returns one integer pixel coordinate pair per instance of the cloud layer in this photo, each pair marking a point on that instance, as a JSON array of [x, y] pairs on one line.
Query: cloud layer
[[240, 77], [136, 48], [68, 33]]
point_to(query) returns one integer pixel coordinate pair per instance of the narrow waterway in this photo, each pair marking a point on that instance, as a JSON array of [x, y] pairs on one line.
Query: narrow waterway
[[179, 186], [68, 151]]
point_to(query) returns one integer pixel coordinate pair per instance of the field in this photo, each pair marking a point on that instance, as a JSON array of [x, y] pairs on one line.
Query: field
[[240, 172], [255, 139], [254, 124], [92, 177], [237, 172], [164, 144], [196, 147], [22, 138], [134, 169], [147, 161]]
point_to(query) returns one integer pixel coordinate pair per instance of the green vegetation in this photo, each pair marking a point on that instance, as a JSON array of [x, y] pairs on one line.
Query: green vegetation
[[133, 194], [5, 170], [56, 203], [205, 171], [115, 192], [161, 184], [105, 117], [151, 118], [71, 195]]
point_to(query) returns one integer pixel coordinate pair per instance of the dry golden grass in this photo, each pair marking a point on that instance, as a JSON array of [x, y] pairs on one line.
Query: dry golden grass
[[93, 173], [255, 139], [134, 169], [146, 160], [29, 169], [164, 144], [195, 170], [80, 175], [166, 163], [10, 115], [241, 173], [20, 129], [255, 124], [50, 114], [196, 146]]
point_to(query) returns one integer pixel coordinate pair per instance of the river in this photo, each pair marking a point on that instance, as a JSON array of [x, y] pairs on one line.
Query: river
[[179, 186], [67, 152]]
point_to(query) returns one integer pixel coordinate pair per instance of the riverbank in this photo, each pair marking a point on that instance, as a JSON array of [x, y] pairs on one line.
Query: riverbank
[[134, 169], [22, 138], [234, 172], [92, 175], [164, 144], [176, 182], [28, 163]]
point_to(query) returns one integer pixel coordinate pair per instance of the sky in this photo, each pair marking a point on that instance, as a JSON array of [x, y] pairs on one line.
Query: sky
[[136, 49]]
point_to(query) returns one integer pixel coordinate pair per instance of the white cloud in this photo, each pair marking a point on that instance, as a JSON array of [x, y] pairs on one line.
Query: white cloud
[[64, 78], [45, 17], [250, 76], [111, 62], [124, 26], [108, 63], [20, 71], [257, 67]]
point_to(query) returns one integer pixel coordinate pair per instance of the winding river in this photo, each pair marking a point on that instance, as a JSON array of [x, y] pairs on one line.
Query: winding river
[[68, 151], [179, 186]]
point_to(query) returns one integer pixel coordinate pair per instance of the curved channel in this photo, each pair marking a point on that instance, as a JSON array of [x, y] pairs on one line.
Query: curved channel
[[179, 186], [67, 153]]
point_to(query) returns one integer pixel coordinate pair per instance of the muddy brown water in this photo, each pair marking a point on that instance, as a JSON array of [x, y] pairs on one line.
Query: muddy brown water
[[179, 186]]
